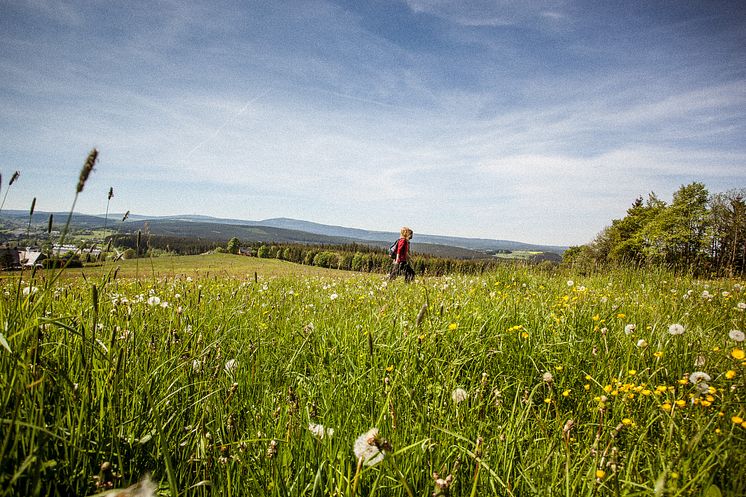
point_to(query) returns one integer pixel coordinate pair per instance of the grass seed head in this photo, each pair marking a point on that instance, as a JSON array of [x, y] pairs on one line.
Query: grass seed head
[[87, 168]]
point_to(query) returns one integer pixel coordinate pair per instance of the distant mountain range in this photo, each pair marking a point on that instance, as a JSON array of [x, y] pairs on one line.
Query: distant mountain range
[[280, 230]]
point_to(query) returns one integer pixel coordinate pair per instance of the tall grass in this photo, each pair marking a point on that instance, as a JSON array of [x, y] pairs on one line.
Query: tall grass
[[218, 385]]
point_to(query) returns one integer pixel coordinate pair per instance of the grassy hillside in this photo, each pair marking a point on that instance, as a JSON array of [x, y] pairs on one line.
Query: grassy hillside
[[513, 383]]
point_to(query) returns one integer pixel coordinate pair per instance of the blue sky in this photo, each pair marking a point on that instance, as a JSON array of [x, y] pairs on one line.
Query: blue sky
[[537, 121]]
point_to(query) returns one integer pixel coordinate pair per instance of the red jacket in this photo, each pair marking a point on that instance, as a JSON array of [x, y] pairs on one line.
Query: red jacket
[[402, 250]]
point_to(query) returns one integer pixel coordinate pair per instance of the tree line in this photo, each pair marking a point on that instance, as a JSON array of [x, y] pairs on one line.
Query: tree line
[[697, 232]]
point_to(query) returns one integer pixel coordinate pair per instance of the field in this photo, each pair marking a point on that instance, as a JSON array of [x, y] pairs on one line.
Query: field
[[237, 376]]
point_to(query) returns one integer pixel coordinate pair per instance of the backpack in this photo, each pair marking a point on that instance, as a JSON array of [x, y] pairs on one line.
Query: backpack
[[394, 249]]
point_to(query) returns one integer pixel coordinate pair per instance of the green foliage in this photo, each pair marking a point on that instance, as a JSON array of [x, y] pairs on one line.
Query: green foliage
[[696, 233], [234, 245]]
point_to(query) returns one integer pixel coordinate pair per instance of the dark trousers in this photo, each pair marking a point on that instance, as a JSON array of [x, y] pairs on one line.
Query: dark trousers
[[402, 268]]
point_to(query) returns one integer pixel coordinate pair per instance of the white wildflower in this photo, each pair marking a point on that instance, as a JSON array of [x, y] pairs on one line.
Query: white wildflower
[[736, 335], [642, 343], [154, 300], [676, 329], [459, 395], [333, 296]]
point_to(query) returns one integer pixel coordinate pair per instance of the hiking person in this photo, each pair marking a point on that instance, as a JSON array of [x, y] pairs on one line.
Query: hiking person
[[401, 256]]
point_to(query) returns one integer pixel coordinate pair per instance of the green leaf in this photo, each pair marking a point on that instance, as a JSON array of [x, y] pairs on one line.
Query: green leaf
[[712, 491]]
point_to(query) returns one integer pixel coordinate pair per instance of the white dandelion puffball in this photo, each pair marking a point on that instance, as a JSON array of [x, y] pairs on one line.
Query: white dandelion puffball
[[154, 300], [736, 335], [741, 306], [642, 343], [319, 431], [675, 329], [570, 282], [459, 395], [366, 448], [699, 377], [30, 290], [629, 329], [231, 365], [703, 387], [547, 377]]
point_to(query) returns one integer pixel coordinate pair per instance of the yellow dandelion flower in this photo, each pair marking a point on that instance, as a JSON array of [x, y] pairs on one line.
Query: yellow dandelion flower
[[658, 354], [706, 403], [680, 403], [566, 393], [666, 406], [390, 368], [627, 422], [587, 386], [712, 389], [632, 372], [743, 425], [683, 381], [674, 475], [716, 349], [730, 374], [737, 420], [737, 354], [718, 431], [600, 473], [645, 392], [547, 401], [710, 398], [608, 388], [596, 317], [559, 368], [452, 326], [621, 315], [588, 377], [524, 335]]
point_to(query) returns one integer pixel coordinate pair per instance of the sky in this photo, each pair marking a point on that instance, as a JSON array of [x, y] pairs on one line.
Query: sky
[[526, 120]]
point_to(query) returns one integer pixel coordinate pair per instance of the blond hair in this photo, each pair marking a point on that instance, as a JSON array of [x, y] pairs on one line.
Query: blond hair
[[406, 232]]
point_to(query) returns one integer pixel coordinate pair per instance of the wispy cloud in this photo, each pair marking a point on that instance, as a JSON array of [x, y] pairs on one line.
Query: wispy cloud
[[537, 121]]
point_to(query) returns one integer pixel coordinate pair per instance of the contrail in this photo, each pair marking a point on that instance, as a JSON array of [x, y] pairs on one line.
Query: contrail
[[226, 123]]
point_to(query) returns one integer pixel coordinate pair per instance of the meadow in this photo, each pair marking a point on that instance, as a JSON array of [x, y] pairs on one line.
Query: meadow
[[267, 378]]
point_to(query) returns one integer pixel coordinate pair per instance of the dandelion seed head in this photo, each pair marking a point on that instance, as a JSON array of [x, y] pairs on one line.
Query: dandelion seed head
[[699, 376], [642, 343], [547, 377], [630, 328], [675, 329], [459, 395], [366, 447], [736, 335], [319, 431]]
